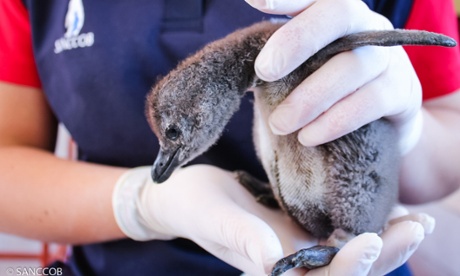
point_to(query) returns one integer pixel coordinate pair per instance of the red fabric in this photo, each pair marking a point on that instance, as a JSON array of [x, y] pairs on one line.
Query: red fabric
[[17, 64], [437, 68]]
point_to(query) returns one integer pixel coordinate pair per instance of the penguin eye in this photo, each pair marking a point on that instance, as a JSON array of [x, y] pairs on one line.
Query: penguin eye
[[172, 133]]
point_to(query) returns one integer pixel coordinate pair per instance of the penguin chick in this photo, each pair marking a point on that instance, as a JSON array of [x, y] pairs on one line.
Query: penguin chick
[[336, 190]]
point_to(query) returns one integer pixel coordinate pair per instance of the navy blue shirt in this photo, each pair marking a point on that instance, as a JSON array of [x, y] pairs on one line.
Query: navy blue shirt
[[96, 75]]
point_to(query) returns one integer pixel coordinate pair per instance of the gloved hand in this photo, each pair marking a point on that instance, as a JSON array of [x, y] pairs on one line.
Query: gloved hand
[[353, 88], [208, 206], [369, 254]]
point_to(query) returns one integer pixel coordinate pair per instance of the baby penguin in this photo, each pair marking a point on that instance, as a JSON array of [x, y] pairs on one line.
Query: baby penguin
[[335, 191]]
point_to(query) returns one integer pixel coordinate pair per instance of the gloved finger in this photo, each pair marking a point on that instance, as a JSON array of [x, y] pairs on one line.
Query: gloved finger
[[404, 91], [244, 241], [356, 110], [400, 213], [400, 241], [428, 222], [397, 211], [355, 258], [311, 30], [236, 235], [339, 77], [280, 6], [292, 237], [383, 96]]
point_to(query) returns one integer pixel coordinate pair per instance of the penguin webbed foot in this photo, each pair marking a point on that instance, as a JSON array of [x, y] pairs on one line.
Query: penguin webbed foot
[[259, 189], [310, 258]]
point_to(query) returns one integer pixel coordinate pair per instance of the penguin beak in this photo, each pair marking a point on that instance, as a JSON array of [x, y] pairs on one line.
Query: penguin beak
[[165, 164]]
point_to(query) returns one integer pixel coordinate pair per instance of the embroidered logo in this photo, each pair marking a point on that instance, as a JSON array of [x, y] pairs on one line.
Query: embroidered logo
[[74, 20]]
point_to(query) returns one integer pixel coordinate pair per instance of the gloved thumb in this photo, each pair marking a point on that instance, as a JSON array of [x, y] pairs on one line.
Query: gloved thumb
[[208, 206], [245, 241]]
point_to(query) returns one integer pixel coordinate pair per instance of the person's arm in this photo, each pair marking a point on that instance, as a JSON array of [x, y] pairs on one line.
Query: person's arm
[[44, 197], [430, 171]]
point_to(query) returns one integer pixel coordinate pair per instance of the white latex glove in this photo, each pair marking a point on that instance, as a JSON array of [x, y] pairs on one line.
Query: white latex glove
[[208, 206], [353, 88], [369, 254]]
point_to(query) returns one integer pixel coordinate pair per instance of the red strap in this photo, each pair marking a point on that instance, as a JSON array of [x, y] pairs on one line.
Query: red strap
[[17, 64], [437, 68]]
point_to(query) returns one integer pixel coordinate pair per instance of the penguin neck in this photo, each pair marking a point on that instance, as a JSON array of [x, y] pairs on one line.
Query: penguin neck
[[232, 59]]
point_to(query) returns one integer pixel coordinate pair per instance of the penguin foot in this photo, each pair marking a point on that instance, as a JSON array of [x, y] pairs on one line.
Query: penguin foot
[[313, 257]]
